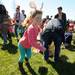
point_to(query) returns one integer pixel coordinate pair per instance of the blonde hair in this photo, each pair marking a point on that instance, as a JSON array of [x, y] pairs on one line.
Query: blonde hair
[[28, 20]]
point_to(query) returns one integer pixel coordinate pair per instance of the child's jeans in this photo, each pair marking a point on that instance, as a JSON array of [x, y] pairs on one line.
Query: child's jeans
[[24, 52]]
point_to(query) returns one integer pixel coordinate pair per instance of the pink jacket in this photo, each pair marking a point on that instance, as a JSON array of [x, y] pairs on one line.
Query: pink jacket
[[30, 38]]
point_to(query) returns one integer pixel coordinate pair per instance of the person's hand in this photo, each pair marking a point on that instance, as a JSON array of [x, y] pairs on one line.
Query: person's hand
[[35, 50], [43, 50]]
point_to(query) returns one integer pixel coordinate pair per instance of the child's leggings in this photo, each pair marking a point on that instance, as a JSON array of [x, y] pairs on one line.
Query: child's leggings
[[24, 52]]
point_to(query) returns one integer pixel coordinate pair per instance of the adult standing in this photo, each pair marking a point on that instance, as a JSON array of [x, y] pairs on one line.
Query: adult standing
[[23, 12], [61, 16], [19, 18], [52, 33], [4, 24]]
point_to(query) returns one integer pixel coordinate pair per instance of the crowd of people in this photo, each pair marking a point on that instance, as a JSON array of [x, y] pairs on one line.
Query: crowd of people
[[51, 30]]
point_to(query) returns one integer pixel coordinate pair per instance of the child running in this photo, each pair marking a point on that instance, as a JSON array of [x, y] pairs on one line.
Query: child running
[[29, 39]]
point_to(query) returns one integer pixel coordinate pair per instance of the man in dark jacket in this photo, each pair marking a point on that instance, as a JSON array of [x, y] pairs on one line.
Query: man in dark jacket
[[62, 18]]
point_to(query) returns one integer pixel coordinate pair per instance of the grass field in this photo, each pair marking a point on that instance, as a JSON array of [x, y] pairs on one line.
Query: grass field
[[9, 62]]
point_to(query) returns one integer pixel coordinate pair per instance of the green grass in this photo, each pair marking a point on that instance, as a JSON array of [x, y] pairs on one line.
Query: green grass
[[9, 62]]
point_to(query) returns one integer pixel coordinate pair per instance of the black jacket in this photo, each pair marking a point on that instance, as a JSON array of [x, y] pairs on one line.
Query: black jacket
[[63, 21]]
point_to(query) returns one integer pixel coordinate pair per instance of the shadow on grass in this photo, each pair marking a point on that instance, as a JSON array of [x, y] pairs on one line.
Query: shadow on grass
[[71, 48], [12, 49], [43, 70], [63, 67]]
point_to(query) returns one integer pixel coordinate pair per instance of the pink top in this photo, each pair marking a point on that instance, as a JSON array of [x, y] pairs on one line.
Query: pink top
[[30, 38]]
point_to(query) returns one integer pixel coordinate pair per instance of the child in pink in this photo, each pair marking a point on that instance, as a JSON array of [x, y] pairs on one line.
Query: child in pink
[[29, 38]]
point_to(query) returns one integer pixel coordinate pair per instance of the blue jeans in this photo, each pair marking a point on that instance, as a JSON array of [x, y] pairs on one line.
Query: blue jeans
[[4, 35], [4, 32], [24, 53]]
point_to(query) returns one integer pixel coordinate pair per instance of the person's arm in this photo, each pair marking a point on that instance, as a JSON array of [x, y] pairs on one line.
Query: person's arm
[[33, 40], [56, 16], [14, 19], [14, 16], [65, 21]]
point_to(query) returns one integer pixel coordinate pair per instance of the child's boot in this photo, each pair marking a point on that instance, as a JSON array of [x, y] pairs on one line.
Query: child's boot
[[21, 67]]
